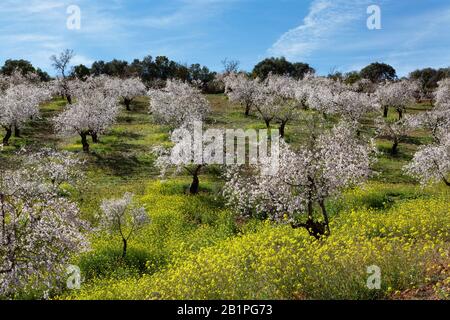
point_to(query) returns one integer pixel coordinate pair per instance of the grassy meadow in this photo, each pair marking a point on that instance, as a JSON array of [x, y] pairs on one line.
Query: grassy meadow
[[195, 248]]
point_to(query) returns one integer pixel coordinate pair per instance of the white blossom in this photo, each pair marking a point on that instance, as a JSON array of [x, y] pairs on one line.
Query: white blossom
[[352, 106], [279, 100], [128, 89], [437, 121], [181, 156], [123, 217], [177, 104], [322, 168], [239, 88], [397, 95], [19, 104], [431, 163], [396, 131], [443, 94], [92, 114], [39, 229]]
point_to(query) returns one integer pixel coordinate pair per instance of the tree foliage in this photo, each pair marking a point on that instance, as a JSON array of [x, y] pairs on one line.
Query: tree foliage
[[19, 102], [431, 164], [397, 95], [282, 67], [24, 67], [61, 64], [39, 229], [321, 168], [429, 79], [379, 72], [92, 114], [177, 104], [123, 217], [81, 72]]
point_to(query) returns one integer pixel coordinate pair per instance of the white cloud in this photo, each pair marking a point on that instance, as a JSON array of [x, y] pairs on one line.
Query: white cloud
[[185, 12], [334, 33], [325, 19], [28, 37], [26, 8], [43, 6]]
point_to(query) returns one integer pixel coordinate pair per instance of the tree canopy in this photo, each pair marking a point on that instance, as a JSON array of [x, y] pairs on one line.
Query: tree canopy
[[282, 67], [429, 77], [25, 67], [379, 72]]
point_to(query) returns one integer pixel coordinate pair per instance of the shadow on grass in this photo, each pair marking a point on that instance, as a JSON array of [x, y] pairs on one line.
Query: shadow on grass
[[126, 135], [125, 165]]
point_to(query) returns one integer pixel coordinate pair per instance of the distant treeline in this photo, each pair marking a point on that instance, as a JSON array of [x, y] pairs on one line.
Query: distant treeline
[[378, 72], [155, 71]]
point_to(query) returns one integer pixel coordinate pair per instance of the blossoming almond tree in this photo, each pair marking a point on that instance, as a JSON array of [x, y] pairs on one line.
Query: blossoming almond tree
[[177, 104], [364, 86], [437, 121], [239, 88], [397, 95], [281, 91], [274, 100], [322, 168], [61, 64], [331, 97], [19, 104], [92, 114], [66, 88], [443, 93], [352, 106], [266, 107], [182, 156], [128, 89], [100, 83], [39, 229], [17, 77], [432, 163], [60, 167], [123, 217], [319, 94], [396, 131]]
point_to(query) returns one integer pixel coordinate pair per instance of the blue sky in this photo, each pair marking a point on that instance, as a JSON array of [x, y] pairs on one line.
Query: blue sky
[[328, 34]]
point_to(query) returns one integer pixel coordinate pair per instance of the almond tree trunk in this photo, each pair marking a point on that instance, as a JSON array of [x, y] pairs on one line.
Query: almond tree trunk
[[16, 132], [247, 109], [7, 136], [446, 181], [282, 129], [195, 185], [124, 250], [127, 103], [84, 142], [394, 149], [94, 136], [325, 217]]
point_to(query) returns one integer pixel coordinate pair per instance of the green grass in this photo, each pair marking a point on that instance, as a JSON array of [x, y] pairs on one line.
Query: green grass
[[196, 248]]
